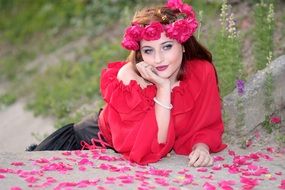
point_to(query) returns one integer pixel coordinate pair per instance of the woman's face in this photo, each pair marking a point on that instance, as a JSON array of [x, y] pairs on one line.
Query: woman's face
[[164, 54]]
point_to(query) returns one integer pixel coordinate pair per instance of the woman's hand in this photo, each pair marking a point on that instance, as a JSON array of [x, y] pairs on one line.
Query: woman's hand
[[200, 156], [148, 73]]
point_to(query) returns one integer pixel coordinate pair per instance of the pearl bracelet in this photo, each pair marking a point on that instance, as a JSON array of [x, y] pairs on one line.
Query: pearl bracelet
[[169, 107]]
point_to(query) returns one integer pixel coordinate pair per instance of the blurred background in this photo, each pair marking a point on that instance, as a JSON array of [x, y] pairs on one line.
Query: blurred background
[[52, 52]]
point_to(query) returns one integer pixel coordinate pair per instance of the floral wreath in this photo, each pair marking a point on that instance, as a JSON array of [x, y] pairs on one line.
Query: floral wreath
[[180, 30]]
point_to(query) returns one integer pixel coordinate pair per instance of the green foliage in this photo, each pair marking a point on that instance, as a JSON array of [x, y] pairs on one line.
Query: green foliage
[[263, 32], [7, 99], [227, 52], [65, 87], [268, 90], [12, 65], [267, 125], [30, 16]]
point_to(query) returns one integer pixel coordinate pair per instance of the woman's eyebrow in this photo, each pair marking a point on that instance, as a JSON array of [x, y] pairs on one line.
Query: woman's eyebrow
[[166, 42], [145, 47]]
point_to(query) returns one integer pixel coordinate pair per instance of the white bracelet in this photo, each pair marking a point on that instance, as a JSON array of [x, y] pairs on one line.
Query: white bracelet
[[169, 107]]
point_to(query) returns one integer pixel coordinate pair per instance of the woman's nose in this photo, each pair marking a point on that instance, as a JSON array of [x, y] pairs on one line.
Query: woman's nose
[[159, 57]]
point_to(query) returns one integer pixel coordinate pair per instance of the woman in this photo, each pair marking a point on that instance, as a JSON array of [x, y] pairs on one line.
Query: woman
[[164, 97]]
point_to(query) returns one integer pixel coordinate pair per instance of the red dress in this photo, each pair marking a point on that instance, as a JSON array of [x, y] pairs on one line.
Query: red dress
[[128, 120]]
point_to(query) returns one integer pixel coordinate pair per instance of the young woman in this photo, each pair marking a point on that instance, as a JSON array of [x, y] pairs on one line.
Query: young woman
[[164, 97]]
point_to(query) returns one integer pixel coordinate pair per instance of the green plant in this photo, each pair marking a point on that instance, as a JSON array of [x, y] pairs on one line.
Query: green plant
[[226, 50], [7, 99], [263, 32], [62, 89]]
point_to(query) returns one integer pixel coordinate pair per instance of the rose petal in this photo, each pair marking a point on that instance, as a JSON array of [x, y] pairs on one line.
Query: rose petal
[[208, 186], [17, 163]]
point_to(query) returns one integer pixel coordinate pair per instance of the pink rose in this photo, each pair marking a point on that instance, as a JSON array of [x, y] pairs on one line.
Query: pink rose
[[130, 44], [275, 120], [134, 32], [187, 9], [174, 4], [152, 31], [181, 30]]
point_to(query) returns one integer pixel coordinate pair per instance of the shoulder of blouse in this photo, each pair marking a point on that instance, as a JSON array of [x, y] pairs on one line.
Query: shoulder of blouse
[[112, 89], [197, 72]]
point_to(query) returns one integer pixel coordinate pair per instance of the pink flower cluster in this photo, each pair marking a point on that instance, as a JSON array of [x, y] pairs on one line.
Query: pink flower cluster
[[180, 30]]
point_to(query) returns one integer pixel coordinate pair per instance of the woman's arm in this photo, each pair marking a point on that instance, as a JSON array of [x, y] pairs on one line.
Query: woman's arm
[[162, 114]]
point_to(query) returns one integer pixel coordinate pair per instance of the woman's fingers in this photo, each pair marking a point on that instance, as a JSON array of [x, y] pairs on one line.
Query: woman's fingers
[[200, 158], [193, 158], [148, 73]]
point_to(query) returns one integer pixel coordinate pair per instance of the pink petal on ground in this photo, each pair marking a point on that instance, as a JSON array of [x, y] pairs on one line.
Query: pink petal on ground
[[2, 176], [270, 149], [218, 158], [54, 158], [81, 153], [226, 184], [71, 159], [217, 167], [106, 157], [248, 142], [159, 172], [42, 161], [202, 170], [278, 173], [51, 180], [183, 171], [101, 188], [126, 179], [31, 179], [257, 135], [17, 163], [265, 156], [85, 161], [82, 168], [162, 181], [67, 153], [15, 188], [210, 177], [208, 186], [110, 178], [249, 182], [231, 153], [282, 185], [233, 169], [188, 179], [173, 188]]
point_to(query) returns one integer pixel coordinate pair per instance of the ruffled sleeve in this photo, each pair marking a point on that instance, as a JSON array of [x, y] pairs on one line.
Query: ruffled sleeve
[[204, 120], [130, 117]]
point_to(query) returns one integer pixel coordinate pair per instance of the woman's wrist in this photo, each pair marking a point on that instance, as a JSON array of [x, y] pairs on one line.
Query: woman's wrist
[[165, 86], [201, 146]]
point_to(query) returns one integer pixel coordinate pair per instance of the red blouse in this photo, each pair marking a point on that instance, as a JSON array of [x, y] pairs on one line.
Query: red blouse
[[128, 120]]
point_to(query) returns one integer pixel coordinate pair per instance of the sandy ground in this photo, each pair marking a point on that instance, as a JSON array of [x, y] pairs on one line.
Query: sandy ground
[[234, 168], [17, 127]]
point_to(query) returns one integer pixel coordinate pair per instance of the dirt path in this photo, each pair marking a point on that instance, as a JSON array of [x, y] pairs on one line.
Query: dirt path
[[17, 127]]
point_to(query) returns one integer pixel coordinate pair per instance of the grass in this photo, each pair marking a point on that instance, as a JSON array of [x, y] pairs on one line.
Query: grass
[[65, 87]]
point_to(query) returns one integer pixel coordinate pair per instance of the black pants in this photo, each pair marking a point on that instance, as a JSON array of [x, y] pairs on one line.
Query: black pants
[[69, 136]]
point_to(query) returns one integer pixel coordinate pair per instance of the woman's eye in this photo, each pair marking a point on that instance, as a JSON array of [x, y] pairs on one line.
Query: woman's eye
[[147, 51], [167, 47]]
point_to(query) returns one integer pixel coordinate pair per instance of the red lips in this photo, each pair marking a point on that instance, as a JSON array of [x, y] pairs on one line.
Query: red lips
[[162, 67]]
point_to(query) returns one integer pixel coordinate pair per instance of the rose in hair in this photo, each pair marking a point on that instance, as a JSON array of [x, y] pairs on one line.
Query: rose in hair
[[152, 31]]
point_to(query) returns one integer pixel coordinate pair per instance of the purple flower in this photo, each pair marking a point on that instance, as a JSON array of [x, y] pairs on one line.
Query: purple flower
[[240, 87]]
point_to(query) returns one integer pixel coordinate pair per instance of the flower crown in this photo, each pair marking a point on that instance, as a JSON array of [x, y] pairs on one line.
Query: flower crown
[[180, 30]]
